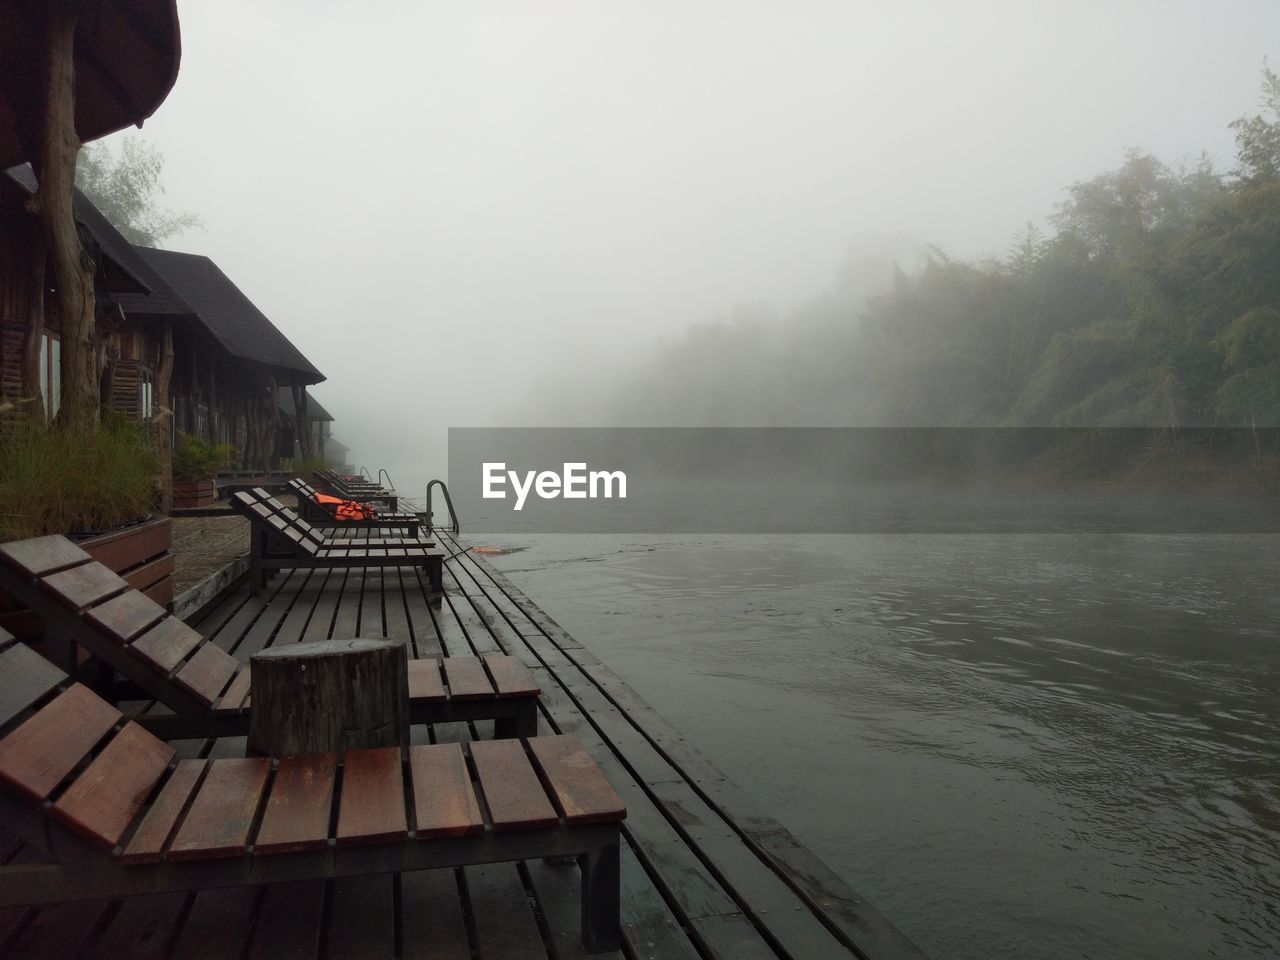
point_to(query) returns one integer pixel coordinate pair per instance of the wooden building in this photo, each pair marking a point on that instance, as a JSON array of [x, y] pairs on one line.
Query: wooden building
[[232, 365], [180, 348], [29, 337]]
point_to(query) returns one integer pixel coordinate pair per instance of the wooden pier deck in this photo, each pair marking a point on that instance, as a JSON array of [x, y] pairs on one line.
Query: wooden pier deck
[[705, 871]]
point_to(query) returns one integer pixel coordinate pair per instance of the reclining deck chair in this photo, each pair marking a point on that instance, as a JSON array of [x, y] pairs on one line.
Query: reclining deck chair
[[356, 488], [108, 813], [82, 602], [312, 509], [281, 540]]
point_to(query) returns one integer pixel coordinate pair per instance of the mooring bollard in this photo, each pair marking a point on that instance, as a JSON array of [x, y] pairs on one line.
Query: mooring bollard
[[328, 695]]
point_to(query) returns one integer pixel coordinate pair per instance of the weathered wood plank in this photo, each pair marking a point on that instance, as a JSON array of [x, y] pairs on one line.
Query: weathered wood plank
[[83, 586], [291, 919], [237, 695], [218, 925], [207, 673], [152, 836], [511, 678], [166, 644], [444, 802], [124, 617], [371, 806], [511, 788], [431, 917], [142, 929], [42, 555], [579, 789], [28, 678], [105, 798], [557, 888], [361, 919], [467, 679], [505, 926], [297, 814], [426, 684], [36, 756], [58, 930], [218, 823]]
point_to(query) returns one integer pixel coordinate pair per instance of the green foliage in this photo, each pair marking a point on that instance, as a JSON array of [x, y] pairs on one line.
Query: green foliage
[[1156, 302], [1258, 137], [56, 481], [195, 458], [124, 186]]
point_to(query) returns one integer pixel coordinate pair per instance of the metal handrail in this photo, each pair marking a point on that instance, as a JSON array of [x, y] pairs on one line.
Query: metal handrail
[[390, 485], [453, 514], [364, 472]]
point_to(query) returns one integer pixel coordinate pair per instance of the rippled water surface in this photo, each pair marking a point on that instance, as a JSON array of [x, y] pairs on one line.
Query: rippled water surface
[[1016, 746]]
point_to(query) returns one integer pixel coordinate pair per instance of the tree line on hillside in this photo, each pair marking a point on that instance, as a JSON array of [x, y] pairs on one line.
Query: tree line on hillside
[[1154, 302]]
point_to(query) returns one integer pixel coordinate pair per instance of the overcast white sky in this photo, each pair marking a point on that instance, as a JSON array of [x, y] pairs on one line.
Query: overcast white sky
[[485, 193]]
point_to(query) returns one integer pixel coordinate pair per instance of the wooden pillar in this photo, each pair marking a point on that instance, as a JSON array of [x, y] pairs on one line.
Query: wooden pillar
[[71, 270], [329, 695], [162, 417]]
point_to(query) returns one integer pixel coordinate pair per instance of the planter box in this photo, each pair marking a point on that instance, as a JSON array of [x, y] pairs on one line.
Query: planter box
[[194, 493], [139, 553]]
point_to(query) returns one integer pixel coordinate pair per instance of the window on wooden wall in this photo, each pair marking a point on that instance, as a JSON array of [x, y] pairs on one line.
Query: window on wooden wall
[[144, 394], [51, 374]]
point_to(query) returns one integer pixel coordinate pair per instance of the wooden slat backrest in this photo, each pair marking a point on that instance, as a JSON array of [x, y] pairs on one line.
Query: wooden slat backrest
[[221, 815], [42, 555], [297, 814], [511, 787], [152, 836], [580, 790], [466, 678], [25, 678], [124, 617], [425, 682], [511, 678], [372, 803], [166, 644], [39, 754], [237, 695], [106, 797], [444, 802], [207, 672], [83, 586]]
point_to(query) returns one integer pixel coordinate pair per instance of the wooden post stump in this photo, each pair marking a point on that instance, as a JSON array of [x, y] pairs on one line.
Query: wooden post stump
[[329, 695]]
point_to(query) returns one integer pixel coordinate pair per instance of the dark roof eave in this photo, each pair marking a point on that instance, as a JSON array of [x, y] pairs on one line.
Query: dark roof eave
[[126, 62]]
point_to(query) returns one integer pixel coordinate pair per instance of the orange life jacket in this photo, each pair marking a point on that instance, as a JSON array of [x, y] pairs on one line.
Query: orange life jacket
[[346, 509]]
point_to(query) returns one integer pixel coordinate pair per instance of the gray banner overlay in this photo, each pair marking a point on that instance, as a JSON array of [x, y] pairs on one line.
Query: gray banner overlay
[[865, 480]]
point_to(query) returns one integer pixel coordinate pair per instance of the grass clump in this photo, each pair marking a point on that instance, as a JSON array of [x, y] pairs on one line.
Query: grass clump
[[54, 481], [195, 458]]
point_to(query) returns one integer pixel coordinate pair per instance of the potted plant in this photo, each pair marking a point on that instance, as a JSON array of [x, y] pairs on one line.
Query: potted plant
[[195, 462], [99, 490]]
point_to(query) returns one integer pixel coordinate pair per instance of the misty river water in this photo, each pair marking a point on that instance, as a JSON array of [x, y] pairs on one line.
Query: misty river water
[[1015, 746]]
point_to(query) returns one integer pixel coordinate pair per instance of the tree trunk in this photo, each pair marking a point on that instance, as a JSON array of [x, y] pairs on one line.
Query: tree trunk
[[328, 695], [70, 267], [162, 418]]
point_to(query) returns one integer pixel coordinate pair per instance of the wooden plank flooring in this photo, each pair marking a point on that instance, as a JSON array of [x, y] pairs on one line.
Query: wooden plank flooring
[[705, 871]]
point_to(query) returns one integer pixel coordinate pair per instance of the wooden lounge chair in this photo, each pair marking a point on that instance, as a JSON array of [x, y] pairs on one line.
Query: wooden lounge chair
[[354, 488], [106, 812], [280, 539], [318, 515], [82, 602]]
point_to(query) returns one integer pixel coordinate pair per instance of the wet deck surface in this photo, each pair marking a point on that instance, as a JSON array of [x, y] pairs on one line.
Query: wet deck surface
[[705, 872]]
